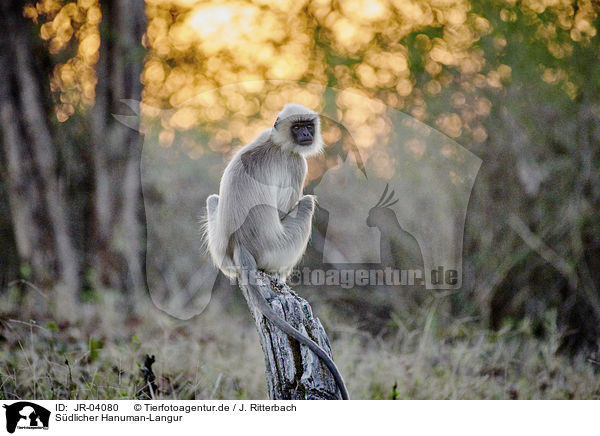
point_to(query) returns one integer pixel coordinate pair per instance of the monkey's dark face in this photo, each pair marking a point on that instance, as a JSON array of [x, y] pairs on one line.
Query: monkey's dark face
[[303, 132]]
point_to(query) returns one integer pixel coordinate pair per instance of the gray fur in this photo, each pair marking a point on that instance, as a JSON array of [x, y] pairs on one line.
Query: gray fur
[[260, 219], [260, 203]]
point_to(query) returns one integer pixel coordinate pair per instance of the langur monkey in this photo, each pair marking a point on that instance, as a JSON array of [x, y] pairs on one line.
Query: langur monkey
[[260, 220]]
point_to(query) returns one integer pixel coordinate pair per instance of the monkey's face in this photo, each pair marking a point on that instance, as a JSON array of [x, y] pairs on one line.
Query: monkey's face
[[298, 130], [303, 132]]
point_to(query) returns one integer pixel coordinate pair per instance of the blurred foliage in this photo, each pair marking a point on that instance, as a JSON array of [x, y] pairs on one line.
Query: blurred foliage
[[516, 82], [414, 56], [72, 30], [94, 356]]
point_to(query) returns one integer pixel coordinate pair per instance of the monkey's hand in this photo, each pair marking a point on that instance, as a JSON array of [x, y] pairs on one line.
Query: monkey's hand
[[307, 203], [304, 207]]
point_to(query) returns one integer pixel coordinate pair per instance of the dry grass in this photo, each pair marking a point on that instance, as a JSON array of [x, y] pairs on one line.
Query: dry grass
[[98, 351]]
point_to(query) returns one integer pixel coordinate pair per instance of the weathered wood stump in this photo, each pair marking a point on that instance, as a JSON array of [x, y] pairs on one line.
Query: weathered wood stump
[[293, 371]]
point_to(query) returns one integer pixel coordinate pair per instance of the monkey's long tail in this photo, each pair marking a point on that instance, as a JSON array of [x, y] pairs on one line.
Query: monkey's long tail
[[246, 261]]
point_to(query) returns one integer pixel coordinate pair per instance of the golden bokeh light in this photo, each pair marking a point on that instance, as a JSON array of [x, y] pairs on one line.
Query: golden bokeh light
[[403, 53], [65, 23], [196, 47]]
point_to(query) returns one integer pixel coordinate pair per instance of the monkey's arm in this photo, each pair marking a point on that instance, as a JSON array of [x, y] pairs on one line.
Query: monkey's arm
[[300, 217], [277, 244]]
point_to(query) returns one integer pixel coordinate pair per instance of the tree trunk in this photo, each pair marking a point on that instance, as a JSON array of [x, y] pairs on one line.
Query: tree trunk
[[293, 371], [116, 149], [34, 179], [74, 187]]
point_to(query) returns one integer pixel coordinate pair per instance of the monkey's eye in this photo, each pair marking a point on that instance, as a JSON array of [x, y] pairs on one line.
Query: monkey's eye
[[295, 128]]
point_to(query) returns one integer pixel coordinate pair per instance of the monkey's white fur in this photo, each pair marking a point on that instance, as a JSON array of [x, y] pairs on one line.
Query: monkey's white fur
[[260, 204], [261, 220]]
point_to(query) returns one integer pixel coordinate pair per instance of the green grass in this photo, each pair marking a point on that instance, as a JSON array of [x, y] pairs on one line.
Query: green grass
[[97, 353]]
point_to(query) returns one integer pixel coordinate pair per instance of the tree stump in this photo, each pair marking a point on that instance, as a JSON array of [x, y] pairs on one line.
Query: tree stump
[[293, 371]]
